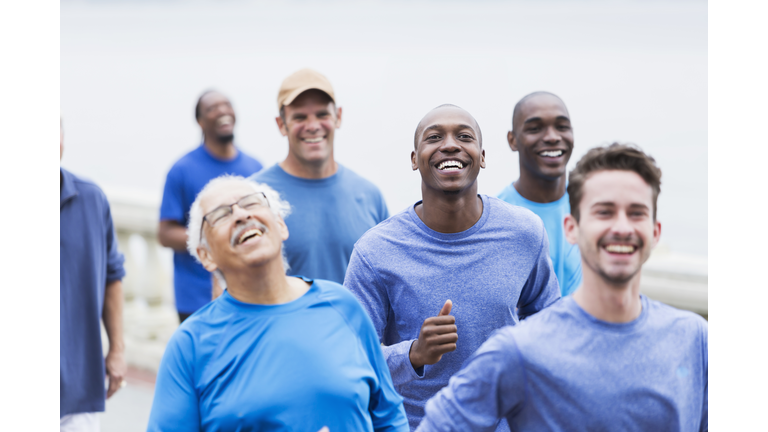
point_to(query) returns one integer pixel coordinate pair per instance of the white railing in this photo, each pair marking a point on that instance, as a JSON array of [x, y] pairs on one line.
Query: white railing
[[150, 315]]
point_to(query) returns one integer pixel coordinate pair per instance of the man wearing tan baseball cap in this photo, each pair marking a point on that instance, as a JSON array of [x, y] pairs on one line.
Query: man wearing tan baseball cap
[[331, 205]]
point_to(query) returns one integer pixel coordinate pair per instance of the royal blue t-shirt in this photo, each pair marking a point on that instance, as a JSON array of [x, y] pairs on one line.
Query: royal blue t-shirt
[[298, 366], [327, 217], [495, 273], [566, 258], [565, 370], [187, 177], [88, 261]]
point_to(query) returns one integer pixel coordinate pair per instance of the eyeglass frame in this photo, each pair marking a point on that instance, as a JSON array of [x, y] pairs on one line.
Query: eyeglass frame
[[231, 210]]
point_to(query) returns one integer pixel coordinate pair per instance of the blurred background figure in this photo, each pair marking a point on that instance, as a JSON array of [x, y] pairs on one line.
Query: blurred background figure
[[215, 156], [332, 205], [273, 352], [91, 292], [543, 138]]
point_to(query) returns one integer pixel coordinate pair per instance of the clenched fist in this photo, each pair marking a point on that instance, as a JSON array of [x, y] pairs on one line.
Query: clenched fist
[[437, 337]]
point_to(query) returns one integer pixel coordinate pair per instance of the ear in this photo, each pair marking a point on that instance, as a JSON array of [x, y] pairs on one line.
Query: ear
[[511, 140], [205, 258], [282, 228], [571, 229], [200, 123], [414, 165], [281, 126], [482, 159], [656, 233], [338, 117]]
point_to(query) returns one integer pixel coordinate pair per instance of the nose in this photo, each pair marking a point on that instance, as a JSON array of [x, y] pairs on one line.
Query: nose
[[450, 145], [622, 228], [313, 124], [552, 136], [239, 214]]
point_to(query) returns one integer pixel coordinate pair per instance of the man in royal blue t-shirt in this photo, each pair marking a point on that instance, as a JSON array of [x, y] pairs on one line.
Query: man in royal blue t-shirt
[[543, 138], [216, 155], [332, 205]]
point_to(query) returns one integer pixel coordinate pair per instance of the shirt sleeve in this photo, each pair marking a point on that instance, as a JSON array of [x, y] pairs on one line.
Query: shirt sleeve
[[175, 405], [541, 289], [362, 280], [705, 355], [491, 385], [172, 207], [386, 406], [115, 259]]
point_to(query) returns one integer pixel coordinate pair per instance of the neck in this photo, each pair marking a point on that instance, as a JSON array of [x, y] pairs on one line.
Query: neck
[[606, 301], [220, 150], [297, 168], [266, 285], [450, 213], [538, 189]]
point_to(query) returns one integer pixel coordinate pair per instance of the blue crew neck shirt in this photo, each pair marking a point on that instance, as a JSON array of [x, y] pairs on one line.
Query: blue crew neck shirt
[[495, 273], [564, 370], [88, 261], [566, 258], [187, 177], [298, 366], [327, 217]]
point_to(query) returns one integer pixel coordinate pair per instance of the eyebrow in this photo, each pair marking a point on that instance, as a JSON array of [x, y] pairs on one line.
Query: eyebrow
[[439, 126], [536, 119], [611, 204]]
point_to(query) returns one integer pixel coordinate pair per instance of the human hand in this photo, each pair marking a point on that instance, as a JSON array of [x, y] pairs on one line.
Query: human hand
[[116, 369], [437, 337]]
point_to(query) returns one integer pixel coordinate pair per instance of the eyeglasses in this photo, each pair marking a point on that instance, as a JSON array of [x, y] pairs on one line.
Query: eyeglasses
[[221, 213]]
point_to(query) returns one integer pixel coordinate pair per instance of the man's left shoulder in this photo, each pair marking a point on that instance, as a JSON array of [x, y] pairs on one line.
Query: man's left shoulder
[[89, 190], [666, 316], [515, 218], [338, 296], [358, 182]]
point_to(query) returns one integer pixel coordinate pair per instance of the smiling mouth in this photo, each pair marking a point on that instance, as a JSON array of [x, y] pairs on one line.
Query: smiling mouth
[[551, 153], [450, 165], [313, 140], [623, 249], [225, 120]]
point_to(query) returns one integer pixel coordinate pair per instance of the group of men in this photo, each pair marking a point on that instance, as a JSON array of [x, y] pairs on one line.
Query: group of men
[[464, 290]]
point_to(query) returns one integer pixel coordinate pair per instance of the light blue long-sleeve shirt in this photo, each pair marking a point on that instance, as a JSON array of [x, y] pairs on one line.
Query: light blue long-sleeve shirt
[[564, 370], [495, 273]]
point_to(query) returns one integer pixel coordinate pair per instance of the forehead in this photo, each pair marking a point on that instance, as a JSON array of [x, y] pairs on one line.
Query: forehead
[[213, 98], [447, 117], [619, 187], [544, 106], [224, 194]]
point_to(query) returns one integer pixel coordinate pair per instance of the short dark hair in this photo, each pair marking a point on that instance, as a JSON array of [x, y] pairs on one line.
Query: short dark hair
[[418, 126], [617, 156], [198, 114]]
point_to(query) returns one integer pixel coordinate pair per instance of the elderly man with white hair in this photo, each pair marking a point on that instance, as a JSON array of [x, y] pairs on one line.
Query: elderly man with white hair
[[273, 352]]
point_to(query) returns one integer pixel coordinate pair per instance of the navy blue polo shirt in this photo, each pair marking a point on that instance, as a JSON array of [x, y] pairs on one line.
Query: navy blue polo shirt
[[89, 259]]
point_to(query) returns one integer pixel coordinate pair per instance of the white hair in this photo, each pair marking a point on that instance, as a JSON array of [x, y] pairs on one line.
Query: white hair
[[195, 235]]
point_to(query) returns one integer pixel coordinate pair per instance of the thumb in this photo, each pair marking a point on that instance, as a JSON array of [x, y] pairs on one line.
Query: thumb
[[446, 308]]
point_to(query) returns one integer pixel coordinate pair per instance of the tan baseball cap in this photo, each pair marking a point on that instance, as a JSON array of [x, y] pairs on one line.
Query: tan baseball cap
[[301, 81]]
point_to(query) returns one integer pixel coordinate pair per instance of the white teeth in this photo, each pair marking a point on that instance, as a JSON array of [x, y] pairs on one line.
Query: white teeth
[[225, 120], [551, 153], [620, 248], [313, 140], [249, 233], [450, 165]]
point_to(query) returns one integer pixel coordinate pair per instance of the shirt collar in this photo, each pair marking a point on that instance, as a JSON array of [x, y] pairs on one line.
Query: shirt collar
[[68, 188]]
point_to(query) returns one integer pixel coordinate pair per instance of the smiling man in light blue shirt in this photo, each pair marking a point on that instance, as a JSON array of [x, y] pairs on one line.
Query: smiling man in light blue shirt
[[543, 137]]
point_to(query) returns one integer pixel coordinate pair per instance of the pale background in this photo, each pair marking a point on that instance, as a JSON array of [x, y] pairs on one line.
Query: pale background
[[632, 71]]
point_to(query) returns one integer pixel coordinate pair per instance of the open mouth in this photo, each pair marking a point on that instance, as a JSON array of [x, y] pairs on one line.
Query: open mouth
[[248, 232], [450, 165], [623, 249], [551, 153], [225, 120], [313, 140]]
